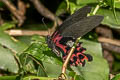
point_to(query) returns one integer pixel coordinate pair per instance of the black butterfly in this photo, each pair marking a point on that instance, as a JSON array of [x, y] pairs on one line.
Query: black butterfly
[[73, 27]]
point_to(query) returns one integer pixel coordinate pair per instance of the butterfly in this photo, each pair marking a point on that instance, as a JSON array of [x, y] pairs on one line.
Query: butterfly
[[76, 25]]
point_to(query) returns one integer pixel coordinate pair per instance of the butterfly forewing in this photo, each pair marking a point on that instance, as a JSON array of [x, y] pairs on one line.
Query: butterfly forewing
[[77, 16], [81, 27]]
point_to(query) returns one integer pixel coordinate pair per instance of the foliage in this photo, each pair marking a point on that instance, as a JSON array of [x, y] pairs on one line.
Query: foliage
[[35, 60], [106, 8], [117, 77]]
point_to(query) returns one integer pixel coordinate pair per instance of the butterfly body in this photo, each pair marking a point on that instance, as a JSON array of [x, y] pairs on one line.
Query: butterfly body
[[73, 27], [59, 43], [62, 46]]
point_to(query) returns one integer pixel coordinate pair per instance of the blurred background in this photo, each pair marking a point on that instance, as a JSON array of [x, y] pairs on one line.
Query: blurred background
[[22, 21]]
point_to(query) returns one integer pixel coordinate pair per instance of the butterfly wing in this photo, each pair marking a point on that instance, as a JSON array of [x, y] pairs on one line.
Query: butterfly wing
[[78, 15], [81, 27], [74, 26]]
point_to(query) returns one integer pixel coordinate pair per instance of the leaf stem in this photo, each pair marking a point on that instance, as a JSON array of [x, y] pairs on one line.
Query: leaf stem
[[96, 9], [68, 4]]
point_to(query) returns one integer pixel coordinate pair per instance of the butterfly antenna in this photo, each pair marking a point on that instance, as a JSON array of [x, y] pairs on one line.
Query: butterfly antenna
[[45, 25]]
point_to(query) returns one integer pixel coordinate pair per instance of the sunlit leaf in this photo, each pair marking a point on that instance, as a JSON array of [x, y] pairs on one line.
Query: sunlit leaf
[[117, 4], [8, 77], [117, 77], [7, 60], [61, 9], [109, 18], [11, 43], [7, 25], [41, 52], [52, 64]]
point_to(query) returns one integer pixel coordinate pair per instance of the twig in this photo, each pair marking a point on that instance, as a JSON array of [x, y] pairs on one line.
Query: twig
[[110, 44], [111, 76], [26, 32], [1, 20], [45, 33], [45, 12], [111, 47], [110, 41], [68, 58], [19, 32], [109, 57], [17, 13], [96, 9], [104, 31], [21, 8]]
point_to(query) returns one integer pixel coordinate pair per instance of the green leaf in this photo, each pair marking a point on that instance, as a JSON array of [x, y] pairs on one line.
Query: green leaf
[[8, 77], [1, 4], [7, 60], [41, 72], [62, 8], [31, 65], [52, 70], [117, 4], [97, 69], [9, 47], [52, 64], [109, 18], [76, 4], [7, 25], [116, 66], [79, 77], [11, 43], [117, 77], [111, 3], [41, 52], [27, 63]]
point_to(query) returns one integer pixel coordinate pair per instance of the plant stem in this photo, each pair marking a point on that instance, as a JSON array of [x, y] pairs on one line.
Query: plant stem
[[68, 57], [96, 9]]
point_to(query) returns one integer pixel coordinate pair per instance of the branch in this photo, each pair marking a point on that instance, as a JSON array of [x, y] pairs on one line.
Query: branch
[[110, 41], [18, 13], [26, 32], [19, 32], [110, 44], [111, 47], [45, 33], [104, 31], [1, 20], [45, 12]]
